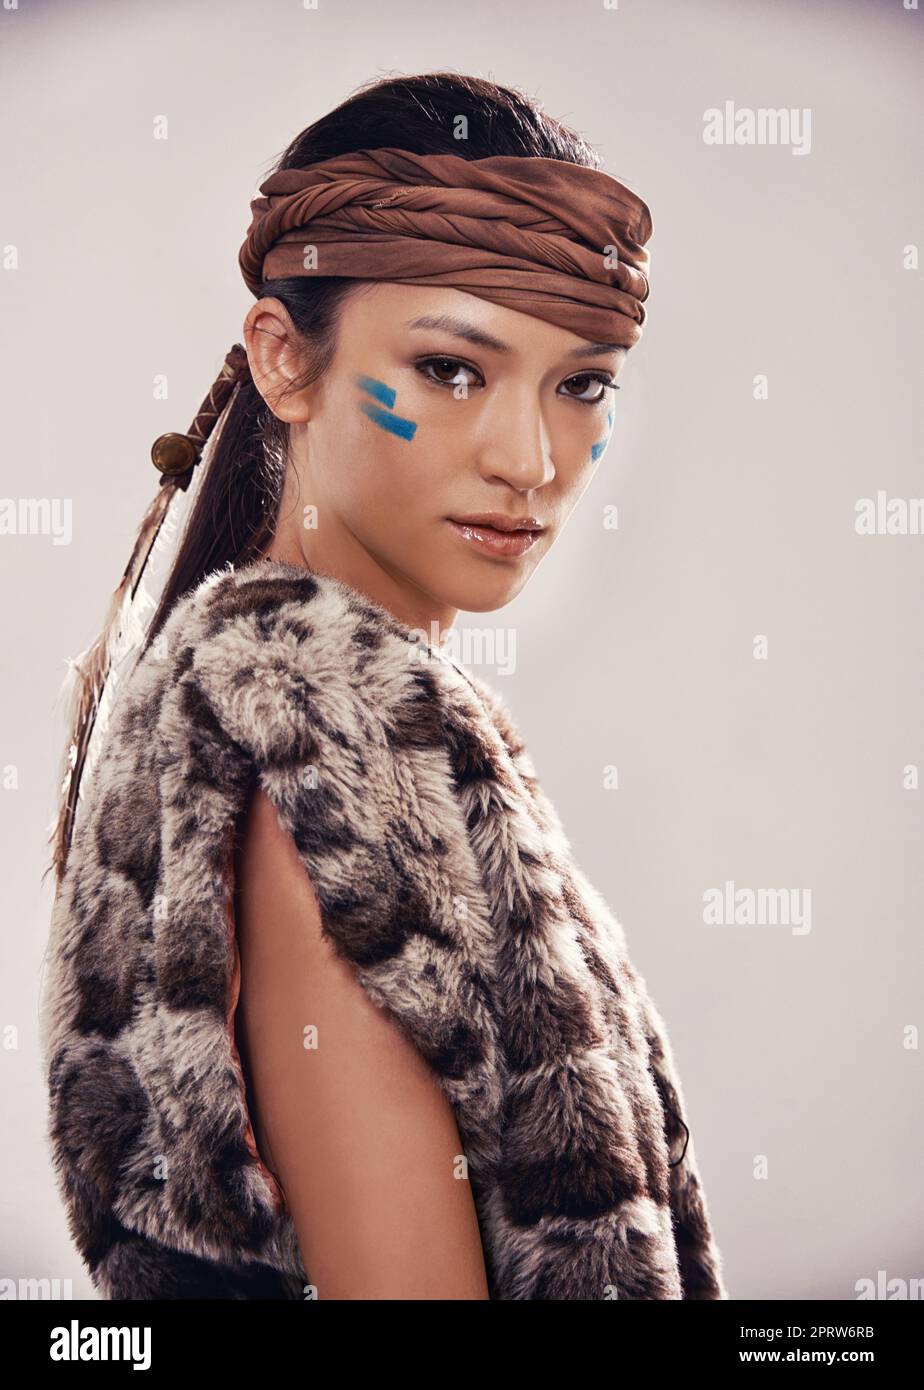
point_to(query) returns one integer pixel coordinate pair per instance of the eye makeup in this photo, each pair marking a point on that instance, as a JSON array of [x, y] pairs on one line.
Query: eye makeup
[[604, 381], [445, 360]]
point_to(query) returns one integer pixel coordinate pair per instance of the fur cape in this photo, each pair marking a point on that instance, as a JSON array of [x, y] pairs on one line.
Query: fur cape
[[443, 875]]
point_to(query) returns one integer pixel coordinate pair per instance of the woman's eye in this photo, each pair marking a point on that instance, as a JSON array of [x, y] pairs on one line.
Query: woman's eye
[[450, 372], [453, 366], [586, 381]]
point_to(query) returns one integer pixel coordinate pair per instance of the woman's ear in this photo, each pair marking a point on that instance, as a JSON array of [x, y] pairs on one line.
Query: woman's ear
[[275, 358]]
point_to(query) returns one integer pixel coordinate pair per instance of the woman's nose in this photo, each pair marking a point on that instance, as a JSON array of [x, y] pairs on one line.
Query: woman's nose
[[515, 445]]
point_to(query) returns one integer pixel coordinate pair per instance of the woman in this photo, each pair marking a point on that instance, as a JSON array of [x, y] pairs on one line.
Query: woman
[[332, 1011]]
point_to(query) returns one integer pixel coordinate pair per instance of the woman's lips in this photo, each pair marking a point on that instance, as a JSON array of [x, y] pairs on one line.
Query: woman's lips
[[493, 542]]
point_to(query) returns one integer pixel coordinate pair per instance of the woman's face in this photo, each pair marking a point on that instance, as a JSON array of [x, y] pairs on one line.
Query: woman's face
[[439, 407]]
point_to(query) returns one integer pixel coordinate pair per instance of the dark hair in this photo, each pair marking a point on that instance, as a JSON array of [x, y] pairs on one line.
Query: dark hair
[[234, 511]]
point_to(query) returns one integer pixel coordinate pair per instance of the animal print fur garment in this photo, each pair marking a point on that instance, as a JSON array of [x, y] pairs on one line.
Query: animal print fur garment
[[443, 875]]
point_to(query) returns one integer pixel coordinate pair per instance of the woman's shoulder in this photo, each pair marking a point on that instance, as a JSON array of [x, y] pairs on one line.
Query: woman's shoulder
[[269, 605], [280, 655]]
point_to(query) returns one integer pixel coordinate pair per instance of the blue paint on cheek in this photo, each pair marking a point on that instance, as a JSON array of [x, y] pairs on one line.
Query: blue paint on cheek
[[597, 449], [392, 424], [378, 389]]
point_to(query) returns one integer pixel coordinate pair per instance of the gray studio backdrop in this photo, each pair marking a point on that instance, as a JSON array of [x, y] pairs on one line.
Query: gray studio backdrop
[[722, 692]]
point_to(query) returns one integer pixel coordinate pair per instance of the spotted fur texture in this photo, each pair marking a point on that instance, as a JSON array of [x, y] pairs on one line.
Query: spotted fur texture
[[443, 875]]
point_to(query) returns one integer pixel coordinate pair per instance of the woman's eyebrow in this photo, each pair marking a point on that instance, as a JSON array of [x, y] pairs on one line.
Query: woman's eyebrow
[[461, 328], [596, 350]]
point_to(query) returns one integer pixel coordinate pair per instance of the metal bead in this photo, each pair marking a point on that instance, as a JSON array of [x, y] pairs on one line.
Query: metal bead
[[174, 454]]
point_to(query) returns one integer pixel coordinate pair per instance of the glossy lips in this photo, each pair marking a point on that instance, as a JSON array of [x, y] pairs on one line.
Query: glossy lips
[[496, 534]]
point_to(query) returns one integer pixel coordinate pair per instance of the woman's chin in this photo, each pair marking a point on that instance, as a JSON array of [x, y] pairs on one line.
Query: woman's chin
[[485, 593]]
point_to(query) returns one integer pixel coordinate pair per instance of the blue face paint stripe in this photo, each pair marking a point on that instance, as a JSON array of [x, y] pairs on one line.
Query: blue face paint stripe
[[597, 449], [394, 424], [378, 389]]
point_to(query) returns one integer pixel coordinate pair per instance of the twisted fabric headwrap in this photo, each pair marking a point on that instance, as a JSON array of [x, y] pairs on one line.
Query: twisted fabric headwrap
[[552, 239]]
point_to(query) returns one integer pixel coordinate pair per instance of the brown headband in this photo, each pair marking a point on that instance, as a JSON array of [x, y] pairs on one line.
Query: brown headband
[[556, 240], [552, 239]]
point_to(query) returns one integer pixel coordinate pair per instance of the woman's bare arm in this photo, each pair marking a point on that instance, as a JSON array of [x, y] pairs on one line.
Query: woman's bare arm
[[363, 1139]]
